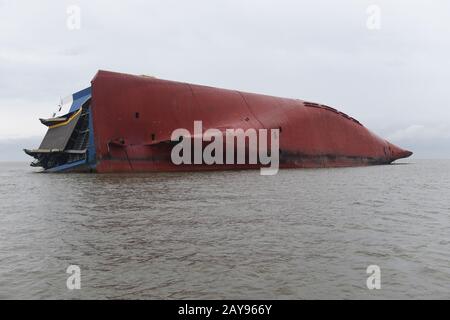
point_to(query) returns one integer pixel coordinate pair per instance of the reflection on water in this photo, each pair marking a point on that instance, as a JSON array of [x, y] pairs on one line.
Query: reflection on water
[[300, 234]]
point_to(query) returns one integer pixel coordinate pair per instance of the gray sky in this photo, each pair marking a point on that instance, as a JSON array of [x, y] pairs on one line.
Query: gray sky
[[394, 79]]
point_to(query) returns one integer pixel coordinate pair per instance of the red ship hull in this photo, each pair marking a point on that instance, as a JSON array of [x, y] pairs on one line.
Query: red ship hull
[[124, 123], [142, 113]]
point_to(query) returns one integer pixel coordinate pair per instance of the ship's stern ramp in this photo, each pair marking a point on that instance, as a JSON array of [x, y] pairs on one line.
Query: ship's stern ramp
[[68, 143]]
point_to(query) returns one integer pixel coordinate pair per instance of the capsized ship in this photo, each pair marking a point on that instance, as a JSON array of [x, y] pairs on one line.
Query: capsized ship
[[124, 123]]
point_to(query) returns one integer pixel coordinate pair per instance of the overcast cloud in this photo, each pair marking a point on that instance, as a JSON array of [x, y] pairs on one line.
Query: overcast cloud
[[395, 79]]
